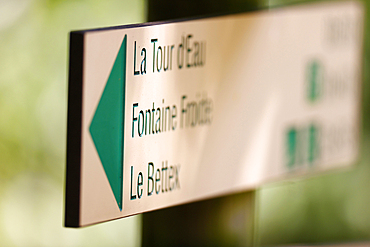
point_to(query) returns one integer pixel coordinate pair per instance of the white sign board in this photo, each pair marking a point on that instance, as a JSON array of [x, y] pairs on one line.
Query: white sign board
[[169, 113]]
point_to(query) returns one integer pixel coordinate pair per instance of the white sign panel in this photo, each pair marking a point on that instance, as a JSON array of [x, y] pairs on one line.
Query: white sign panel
[[170, 113]]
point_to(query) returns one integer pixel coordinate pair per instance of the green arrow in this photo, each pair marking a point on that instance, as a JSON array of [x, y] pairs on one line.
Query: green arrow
[[107, 125]]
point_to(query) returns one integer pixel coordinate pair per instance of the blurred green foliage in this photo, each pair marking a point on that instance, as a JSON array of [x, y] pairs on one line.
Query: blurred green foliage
[[34, 36]]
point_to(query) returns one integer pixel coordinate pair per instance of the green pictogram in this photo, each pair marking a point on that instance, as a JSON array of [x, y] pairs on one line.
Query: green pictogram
[[314, 80], [302, 146], [292, 146], [313, 147], [107, 125]]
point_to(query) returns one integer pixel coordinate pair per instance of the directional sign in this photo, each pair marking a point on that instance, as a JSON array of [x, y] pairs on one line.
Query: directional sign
[[162, 114]]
